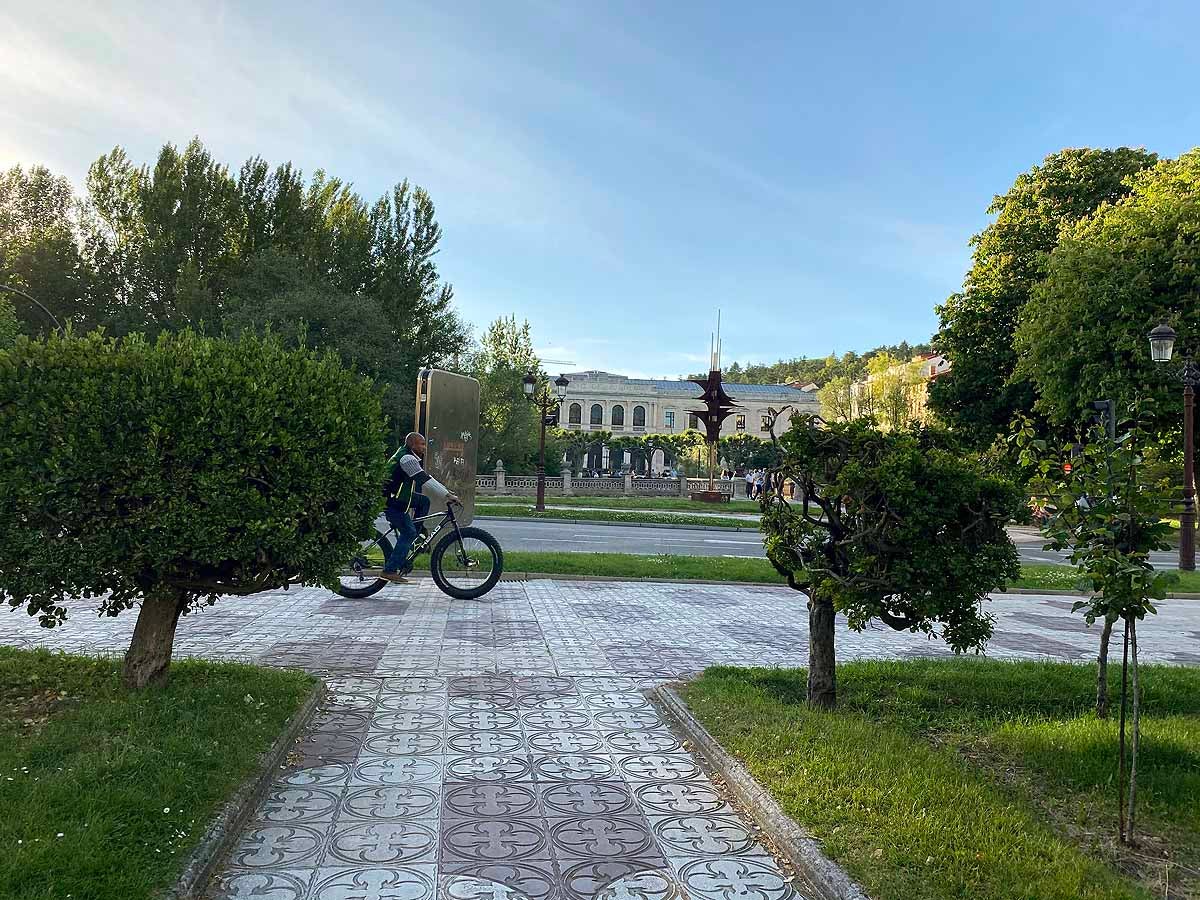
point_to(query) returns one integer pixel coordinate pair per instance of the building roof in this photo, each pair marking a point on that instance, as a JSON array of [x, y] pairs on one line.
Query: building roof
[[691, 391]]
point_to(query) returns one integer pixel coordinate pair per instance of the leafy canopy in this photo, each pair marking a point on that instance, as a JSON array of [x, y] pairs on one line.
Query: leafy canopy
[[186, 464], [1112, 277], [898, 526], [186, 242], [1104, 510], [981, 394]]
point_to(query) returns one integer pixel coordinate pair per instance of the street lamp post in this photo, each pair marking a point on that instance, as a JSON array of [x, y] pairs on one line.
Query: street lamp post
[[1162, 346], [20, 293], [547, 405]]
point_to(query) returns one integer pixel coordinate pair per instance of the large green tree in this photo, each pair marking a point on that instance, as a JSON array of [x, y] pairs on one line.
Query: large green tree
[[186, 242], [897, 526], [1112, 277], [508, 423], [39, 247], [161, 475], [981, 394]]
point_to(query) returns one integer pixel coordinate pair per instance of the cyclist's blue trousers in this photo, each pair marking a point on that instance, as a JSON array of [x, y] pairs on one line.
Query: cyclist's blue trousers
[[406, 529]]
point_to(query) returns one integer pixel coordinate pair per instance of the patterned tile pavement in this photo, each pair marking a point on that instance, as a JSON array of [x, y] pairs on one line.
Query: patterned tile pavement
[[503, 750]]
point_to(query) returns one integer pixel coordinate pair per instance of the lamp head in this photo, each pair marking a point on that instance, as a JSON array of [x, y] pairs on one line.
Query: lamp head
[[1162, 343]]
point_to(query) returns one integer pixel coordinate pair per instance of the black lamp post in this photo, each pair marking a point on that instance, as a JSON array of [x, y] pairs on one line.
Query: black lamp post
[[1162, 346], [547, 405]]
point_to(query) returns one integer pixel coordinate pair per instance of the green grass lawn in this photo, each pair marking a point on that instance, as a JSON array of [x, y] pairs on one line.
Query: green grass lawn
[[676, 503], [607, 515], [104, 791], [1065, 578], [971, 778], [740, 569]]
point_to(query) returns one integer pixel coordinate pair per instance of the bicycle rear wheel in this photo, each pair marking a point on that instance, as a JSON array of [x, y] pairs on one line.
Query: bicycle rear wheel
[[360, 576], [467, 565]]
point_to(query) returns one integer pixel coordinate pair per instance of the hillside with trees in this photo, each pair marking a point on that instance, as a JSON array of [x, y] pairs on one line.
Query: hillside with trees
[[819, 370]]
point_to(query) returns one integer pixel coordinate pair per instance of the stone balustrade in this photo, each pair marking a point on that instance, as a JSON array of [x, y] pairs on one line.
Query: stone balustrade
[[564, 485]]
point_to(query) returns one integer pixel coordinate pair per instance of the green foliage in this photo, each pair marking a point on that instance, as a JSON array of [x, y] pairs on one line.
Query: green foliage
[[818, 370], [39, 247], [573, 445], [188, 243], [187, 464], [107, 791], [901, 786], [1112, 277], [1104, 512], [10, 327], [911, 531], [981, 394], [508, 422], [746, 451]]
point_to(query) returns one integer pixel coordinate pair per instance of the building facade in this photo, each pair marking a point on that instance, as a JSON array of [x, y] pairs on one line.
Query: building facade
[[905, 385], [601, 401]]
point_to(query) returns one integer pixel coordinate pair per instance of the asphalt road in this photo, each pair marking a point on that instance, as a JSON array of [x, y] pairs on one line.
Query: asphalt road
[[588, 538]]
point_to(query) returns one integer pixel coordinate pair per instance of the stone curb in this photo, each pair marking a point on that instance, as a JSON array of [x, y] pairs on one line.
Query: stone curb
[[747, 527], [823, 877], [221, 834], [646, 579], [649, 579]]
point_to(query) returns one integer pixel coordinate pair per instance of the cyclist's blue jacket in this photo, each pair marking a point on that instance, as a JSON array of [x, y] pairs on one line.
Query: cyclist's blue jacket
[[409, 477]]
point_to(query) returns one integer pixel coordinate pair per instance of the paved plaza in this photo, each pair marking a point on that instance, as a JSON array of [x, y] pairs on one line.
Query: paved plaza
[[503, 749]]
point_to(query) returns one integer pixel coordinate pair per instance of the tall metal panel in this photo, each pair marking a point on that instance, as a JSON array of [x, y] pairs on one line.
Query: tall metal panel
[[448, 416]]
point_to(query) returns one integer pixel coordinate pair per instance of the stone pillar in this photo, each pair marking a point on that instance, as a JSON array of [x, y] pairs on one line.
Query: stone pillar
[[683, 482], [739, 487], [500, 476], [628, 482], [566, 478]]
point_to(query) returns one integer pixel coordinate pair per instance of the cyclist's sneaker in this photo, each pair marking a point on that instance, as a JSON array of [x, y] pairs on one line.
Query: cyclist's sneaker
[[394, 578]]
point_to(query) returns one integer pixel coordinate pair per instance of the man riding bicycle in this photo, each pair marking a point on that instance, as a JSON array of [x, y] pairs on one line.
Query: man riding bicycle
[[405, 499]]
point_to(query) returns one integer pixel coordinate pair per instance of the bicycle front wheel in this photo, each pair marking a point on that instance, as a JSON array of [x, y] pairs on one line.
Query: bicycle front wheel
[[467, 565], [360, 577]]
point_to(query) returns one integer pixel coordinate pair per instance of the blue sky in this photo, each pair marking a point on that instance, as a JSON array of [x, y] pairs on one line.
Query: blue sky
[[616, 172]]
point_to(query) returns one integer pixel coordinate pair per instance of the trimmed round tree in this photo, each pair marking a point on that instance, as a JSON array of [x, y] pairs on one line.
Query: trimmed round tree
[[164, 474], [895, 527]]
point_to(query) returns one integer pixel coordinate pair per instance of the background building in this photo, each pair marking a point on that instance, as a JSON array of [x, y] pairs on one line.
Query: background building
[[601, 401]]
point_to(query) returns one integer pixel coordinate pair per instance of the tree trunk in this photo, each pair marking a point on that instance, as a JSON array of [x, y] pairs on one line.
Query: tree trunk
[[1136, 723], [1102, 672], [149, 653], [822, 679], [1121, 738]]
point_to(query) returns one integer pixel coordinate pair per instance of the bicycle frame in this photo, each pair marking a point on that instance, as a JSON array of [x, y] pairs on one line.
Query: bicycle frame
[[445, 516]]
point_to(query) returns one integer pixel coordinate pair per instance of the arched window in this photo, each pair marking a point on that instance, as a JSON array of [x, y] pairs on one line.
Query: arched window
[[575, 416], [639, 417], [618, 415], [597, 414]]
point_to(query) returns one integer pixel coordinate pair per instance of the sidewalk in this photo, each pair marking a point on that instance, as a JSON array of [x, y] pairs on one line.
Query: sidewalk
[[504, 748]]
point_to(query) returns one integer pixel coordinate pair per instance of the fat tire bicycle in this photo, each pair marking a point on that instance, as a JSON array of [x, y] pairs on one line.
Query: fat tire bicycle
[[465, 564]]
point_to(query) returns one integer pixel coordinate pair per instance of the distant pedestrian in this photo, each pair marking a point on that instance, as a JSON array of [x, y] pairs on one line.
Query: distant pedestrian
[[760, 483], [750, 483]]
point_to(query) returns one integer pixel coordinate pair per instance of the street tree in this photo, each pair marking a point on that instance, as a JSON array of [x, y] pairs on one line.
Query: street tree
[[836, 397], [983, 391], [508, 423], [746, 451], [164, 474], [39, 250], [186, 242], [1106, 513], [897, 526], [1113, 276]]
